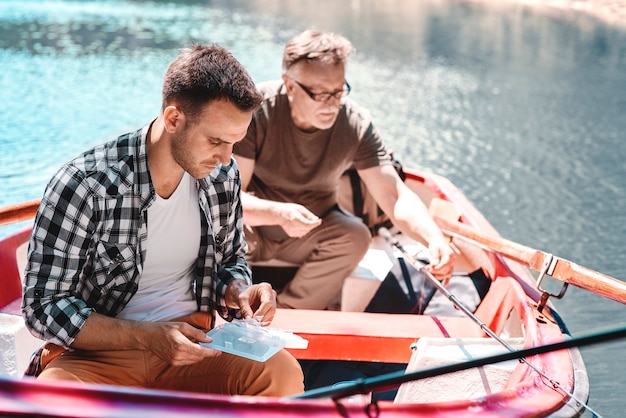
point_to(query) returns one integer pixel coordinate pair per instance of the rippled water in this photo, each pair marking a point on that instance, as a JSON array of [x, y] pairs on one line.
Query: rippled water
[[523, 109]]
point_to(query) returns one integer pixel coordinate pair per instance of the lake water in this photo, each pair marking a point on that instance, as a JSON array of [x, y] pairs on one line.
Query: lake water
[[523, 109]]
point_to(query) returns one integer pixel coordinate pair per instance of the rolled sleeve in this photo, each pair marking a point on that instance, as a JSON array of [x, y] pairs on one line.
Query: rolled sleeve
[[233, 265], [56, 257]]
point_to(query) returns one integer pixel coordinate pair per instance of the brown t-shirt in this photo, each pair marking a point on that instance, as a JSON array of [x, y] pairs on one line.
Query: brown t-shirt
[[305, 167]]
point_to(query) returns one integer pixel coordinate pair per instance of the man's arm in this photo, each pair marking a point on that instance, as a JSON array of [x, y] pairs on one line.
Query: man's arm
[[52, 308], [407, 211], [173, 342], [295, 219]]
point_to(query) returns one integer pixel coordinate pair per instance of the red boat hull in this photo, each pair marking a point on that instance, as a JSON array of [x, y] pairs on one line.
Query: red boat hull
[[342, 336]]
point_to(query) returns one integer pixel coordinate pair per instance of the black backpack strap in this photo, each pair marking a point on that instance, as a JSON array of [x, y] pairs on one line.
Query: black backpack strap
[[357, 195], [407, 280]]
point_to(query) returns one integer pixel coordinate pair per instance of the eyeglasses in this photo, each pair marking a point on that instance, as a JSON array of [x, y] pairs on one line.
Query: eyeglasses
[[322, 97]]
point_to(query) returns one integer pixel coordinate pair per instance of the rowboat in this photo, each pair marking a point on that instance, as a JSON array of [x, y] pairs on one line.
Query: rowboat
[[513, 315]]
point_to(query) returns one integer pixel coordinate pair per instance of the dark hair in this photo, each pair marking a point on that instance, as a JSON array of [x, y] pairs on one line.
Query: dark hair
[[203, 73], [316, 45]]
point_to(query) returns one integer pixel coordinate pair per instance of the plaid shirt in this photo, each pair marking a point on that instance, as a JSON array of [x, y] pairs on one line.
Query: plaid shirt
[[87, 247]]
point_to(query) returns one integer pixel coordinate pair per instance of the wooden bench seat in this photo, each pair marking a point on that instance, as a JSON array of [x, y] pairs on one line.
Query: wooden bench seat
[[361, 336]]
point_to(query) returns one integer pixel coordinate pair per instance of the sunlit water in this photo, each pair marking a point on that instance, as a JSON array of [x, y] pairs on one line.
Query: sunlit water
[[523, 109]]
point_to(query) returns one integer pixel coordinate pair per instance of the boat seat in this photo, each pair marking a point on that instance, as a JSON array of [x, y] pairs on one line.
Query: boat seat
[[338, 335], [495, 311], [465, 384]]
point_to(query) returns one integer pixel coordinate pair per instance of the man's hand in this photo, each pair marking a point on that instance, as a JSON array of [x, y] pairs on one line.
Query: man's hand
[[297, 220], [442, 258], [257, 301], [176, 343]]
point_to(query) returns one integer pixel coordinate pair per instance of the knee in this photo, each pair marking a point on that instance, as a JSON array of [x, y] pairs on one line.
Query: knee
[[287, 374], [358, 234], [57, 373], [347, 235]]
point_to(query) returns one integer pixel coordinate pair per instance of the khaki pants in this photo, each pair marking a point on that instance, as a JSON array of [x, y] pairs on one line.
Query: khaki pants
[[326, 255], [281, 375]]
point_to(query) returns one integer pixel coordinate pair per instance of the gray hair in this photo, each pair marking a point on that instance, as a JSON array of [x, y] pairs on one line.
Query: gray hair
[[315, 45]]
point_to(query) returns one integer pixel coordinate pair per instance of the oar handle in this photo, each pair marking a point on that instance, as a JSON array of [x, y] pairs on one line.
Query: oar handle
[[591, 280], [19, 212], [561, 269]]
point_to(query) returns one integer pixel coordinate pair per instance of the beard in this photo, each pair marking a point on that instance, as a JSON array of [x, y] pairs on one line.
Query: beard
[[186, 156]]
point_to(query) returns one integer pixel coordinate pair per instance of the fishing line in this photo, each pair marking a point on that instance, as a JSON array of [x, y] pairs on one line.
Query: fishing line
[[384, 232]]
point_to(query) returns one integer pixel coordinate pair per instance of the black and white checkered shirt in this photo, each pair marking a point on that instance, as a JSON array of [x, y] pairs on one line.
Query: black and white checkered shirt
[[87, 248]]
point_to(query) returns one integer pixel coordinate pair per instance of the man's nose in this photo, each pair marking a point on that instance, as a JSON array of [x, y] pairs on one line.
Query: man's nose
[[333, 101], [224, 155]]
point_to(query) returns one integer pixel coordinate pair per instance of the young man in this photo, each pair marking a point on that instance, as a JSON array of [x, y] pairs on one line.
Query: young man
[[139, 241], [301, 140]]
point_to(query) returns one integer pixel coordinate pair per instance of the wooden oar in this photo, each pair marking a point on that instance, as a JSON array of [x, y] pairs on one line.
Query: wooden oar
[[559, 268], [18, 212]]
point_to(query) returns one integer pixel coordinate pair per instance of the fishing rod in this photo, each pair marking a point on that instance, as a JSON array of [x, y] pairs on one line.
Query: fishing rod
[[421, 266], [392, 380]]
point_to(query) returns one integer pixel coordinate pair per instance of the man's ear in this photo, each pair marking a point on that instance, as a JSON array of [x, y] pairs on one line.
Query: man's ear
[[289, 86], [173, 118], [288, 83]]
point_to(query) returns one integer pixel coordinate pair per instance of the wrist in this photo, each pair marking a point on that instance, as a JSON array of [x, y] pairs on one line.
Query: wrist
[[233, 290]]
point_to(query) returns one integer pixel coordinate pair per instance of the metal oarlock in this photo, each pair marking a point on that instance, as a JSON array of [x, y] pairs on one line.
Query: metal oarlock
[[549, 264]]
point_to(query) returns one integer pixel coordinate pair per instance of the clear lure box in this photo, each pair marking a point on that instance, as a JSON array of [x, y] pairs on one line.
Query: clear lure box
[[247, 338]]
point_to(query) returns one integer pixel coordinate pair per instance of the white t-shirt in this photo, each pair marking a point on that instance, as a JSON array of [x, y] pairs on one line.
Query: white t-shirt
[[172, 247]]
